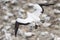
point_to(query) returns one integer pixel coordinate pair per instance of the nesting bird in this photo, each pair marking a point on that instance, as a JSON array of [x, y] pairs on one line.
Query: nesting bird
[[31, 16]]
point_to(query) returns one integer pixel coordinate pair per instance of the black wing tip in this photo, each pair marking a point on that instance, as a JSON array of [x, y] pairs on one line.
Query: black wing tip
[[46, 4], [16, 28]]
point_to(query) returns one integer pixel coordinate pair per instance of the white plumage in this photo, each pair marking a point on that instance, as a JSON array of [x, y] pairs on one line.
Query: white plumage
[[32, 17]]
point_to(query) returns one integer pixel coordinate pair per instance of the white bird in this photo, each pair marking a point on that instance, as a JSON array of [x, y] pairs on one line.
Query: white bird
[[31, 17]]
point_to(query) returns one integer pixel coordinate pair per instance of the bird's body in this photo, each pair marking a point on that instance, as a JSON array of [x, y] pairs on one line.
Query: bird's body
[[34, 16], [31, 16]]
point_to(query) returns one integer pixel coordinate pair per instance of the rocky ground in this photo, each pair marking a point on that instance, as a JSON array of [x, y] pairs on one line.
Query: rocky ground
[[49, 29]]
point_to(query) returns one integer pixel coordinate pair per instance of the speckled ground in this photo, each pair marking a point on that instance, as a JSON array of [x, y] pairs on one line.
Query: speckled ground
[[41, 33]]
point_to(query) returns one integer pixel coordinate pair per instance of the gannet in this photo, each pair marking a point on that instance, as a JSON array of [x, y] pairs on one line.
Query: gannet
[[31, 17]]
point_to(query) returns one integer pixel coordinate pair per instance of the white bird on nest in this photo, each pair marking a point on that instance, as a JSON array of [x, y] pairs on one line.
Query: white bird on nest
[[31, 17]]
